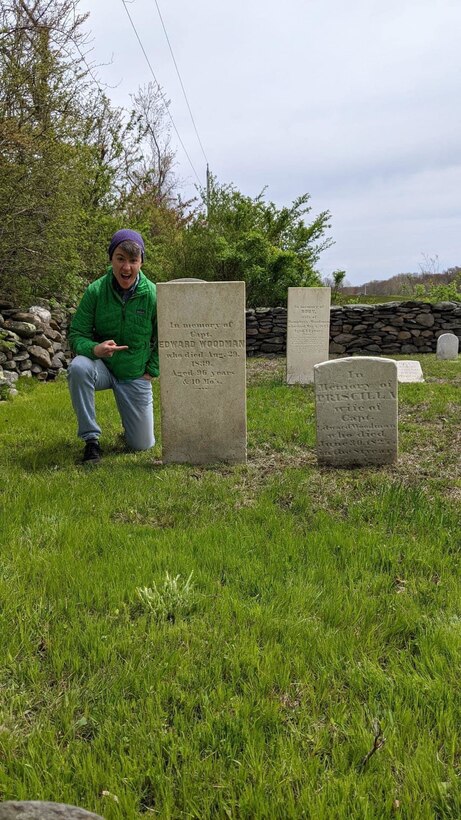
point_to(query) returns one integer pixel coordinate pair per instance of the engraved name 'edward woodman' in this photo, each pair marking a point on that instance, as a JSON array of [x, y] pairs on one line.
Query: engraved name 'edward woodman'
[[202, 350]]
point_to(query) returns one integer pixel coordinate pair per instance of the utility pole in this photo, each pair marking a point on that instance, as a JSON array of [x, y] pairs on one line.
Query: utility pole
[[208, 189]]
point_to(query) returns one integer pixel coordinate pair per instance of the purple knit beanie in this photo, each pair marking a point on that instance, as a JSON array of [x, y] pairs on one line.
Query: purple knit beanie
[[122, 236]]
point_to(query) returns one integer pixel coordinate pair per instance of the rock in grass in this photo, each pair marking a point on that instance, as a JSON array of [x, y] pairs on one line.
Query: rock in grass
[[40, 810]]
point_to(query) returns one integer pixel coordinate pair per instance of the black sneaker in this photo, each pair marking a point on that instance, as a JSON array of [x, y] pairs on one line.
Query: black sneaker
[[92, 453]]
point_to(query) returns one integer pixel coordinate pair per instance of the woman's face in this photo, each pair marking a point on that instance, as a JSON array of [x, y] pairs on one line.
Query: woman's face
[[125, 268]]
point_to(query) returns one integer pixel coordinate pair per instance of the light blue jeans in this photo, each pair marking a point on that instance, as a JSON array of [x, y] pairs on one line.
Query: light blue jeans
[[134, 402]]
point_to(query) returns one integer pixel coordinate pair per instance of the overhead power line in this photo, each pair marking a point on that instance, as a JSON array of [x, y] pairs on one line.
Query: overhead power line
[[180, 80], [161, 92]]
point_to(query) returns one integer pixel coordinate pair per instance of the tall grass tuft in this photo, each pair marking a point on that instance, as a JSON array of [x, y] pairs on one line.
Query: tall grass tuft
[[171, 601]]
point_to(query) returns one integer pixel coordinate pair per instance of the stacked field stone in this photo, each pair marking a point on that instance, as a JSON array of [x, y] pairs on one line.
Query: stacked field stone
[[266, 331], [387, 329], [37, 347], [32, 343], [395, 327]]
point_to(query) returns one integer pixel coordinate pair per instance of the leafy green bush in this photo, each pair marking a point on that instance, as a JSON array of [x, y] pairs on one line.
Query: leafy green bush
[[236, 237], [450, 292]]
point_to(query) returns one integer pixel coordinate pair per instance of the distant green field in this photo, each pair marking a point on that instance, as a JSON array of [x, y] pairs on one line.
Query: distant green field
[[273, 640], [378, 300]]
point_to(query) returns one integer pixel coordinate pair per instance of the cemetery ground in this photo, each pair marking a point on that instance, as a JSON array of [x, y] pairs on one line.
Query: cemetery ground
[[272, 640]]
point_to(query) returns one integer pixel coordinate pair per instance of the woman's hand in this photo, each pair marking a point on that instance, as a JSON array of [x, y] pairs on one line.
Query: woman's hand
[[104, 350]]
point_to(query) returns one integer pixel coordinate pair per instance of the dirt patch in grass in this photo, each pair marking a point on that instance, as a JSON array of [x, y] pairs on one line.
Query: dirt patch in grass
[[140, 518], [249, 479], [437, 453], [266, 369], [434, 380], [267, 461], [264, 465]]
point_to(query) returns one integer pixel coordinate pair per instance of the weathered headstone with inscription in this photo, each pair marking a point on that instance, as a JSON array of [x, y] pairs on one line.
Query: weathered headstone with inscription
[[308, 332], [202, 350], [409, 371], [447, 346], [356, 409]]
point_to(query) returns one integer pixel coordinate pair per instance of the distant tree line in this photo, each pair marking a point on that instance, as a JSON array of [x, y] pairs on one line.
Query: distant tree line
[[426, 282], [74, 168]]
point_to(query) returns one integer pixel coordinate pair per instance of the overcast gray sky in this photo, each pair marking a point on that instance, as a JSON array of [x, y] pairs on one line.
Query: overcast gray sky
[[357, 103]]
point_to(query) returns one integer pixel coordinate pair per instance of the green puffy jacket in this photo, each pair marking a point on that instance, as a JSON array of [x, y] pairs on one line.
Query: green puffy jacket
[[102, 315]]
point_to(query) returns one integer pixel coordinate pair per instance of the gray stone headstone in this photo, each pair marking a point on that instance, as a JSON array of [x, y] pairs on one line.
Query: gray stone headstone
[[409, 371], [356, 410], [447, 346], [202, 350], [308, 331], [41, 810]]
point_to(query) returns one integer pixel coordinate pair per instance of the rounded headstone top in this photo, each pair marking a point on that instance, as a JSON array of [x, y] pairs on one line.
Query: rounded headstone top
[[40, 810], [447, 346], [186, 279]]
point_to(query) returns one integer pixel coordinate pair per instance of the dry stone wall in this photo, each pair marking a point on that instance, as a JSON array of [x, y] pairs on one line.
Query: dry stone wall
[[266, 331], [32, 343], [386, 329]]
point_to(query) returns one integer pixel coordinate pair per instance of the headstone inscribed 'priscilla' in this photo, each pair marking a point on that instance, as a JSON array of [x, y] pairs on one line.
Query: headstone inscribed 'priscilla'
[[308, 332], [202, 351], [409, 371], [356, 408], [447, 346]]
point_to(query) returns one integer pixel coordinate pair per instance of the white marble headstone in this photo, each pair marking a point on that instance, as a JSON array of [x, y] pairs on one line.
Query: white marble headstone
[[202, 352], [356, 410], [447, 346], [308, 332]]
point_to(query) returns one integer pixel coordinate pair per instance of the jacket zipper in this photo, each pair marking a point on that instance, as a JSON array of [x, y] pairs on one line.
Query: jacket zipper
[[123, 323], [136, 295], [124, 304]]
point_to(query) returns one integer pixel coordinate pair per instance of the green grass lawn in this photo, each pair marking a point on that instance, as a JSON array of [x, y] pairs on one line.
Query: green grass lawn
[[323, 616]]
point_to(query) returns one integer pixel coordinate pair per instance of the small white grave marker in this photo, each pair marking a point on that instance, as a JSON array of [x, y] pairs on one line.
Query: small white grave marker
[[409, 371], [447, 346]]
